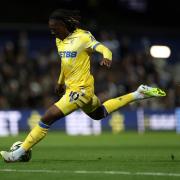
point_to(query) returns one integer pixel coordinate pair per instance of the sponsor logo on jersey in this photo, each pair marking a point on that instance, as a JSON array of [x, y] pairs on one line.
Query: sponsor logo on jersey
[[68, 54]]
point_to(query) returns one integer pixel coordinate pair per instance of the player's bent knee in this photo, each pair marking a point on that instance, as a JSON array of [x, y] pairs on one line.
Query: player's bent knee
[[51, 115], [95, 117], [99, 113]]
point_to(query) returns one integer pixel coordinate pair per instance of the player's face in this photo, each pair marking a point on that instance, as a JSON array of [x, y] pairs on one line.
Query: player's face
[[58, 29]]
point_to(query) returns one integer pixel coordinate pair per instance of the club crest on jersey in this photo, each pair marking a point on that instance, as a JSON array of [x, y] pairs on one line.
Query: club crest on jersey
[[67, 54]]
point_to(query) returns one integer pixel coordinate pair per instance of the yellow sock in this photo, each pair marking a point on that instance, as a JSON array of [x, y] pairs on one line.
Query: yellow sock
[[36, 134], [114, 104]]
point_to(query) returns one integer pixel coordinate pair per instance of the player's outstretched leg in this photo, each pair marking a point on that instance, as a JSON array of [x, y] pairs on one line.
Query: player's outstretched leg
[[143, 92], [36, 135]]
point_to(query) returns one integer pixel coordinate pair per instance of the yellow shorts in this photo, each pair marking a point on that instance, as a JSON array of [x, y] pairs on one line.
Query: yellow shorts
[[72, 100]]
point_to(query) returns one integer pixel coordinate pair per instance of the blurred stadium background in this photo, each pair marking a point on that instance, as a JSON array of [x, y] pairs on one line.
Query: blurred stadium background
[[29, 63], [141, 140]]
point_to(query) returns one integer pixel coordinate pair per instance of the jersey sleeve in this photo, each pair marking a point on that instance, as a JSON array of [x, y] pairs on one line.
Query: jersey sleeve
[[89, 41], [58, 41], [61, 76], [107, 54]]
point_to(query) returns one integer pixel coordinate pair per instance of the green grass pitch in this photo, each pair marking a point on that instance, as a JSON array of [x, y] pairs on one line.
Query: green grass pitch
[[124, 156]]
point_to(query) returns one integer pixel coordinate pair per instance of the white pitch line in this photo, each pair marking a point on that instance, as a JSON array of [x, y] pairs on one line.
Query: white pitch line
[[103, 172], [91, 172]]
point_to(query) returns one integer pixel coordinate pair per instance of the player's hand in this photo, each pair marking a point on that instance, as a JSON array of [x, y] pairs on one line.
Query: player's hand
[[60, 90], [106, 62]]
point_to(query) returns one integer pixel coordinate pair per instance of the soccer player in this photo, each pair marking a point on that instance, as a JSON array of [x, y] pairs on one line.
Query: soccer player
[[75, 47]]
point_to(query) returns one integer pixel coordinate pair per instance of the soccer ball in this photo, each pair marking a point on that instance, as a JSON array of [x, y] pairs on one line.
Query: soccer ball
[[24, 158]]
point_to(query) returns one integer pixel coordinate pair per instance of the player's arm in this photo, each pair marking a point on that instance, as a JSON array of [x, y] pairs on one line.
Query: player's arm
[[90, 42], [60, 87], [61, 77], [107, 54]]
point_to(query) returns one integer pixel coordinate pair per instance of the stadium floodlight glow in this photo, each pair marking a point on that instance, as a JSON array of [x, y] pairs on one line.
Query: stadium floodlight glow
[[159, 51]]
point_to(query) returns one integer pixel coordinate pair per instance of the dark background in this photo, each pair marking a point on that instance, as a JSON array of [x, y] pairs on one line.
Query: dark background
[[118, 14]]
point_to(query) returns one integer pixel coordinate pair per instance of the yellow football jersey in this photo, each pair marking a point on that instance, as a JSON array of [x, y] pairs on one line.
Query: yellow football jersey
[[75, 51]]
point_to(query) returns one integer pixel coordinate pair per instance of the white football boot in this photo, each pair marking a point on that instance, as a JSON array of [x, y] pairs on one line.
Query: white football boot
[[148, 92]]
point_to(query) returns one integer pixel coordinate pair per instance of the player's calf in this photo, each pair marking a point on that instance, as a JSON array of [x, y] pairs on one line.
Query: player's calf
[[52, 114]]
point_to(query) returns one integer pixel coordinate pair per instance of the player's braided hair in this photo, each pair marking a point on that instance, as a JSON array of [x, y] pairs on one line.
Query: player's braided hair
[[71, 18]]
